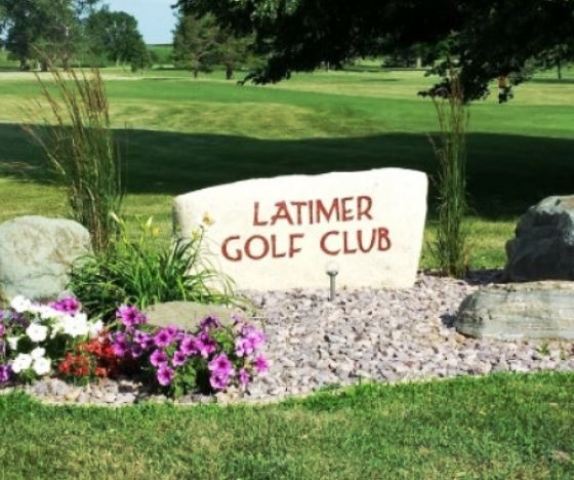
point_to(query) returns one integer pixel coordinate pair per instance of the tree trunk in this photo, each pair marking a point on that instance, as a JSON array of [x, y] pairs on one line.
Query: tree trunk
[[44, 65], [559, 69], [195, 73], [419, 63], [228, 72]]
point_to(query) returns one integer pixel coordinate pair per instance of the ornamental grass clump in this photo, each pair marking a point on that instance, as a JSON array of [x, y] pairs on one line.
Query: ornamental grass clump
[[210, 359], [79, 143], [142, 270], [450, 247]]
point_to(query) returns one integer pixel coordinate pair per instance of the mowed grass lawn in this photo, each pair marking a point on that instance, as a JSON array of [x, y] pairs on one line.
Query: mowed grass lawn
[[184, 134], [501, 427]]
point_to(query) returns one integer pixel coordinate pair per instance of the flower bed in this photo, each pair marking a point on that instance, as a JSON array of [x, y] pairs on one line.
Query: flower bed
[[58, 339]]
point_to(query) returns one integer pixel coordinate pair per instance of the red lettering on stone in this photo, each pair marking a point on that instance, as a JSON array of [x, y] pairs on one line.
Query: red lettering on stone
[[324, 243], [384, 239], [256, 220], [282, 213], [237, 255], [364, 205], [292, 248], [274, 252], [299, 206], [346, 249], [347, 212], [248, 247], [360, 241], [327, 214]]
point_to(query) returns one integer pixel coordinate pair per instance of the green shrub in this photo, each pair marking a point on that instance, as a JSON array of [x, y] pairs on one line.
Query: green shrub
[[450, 247], [145, 270], [80, 146]]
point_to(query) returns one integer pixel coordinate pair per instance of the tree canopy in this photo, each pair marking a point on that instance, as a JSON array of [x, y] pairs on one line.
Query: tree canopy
[[115, 35], [483, 39], [49, 31]]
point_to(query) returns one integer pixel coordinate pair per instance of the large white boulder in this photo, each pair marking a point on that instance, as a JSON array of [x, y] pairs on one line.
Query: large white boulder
[[284, 232], [36, 254]]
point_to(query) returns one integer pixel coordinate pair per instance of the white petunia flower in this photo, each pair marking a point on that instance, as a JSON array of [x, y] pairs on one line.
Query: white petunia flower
[[95, 328], [37, 332], [22, 362], [46, 312], [75, 326], [13, 342], [42, 366], [20, 304], [38, 353]]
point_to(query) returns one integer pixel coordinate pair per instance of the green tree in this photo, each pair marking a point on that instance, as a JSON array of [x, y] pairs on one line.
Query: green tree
[[195, 43], [232, 51], [115, 35], [42, 30]]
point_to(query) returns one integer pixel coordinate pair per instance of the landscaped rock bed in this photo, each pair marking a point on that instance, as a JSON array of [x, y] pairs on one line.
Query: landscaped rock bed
[[382, 335]]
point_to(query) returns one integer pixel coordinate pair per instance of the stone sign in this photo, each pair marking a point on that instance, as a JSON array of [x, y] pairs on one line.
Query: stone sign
[[284, 232]]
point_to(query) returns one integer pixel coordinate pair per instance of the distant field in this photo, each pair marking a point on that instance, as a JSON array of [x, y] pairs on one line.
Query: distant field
[[185, 134]]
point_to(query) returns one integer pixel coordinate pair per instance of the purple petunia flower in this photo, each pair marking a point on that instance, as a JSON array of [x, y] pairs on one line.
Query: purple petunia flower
[[218, 380], [249, 341], [120, 345], [188, 345], [69, 305], [179, 359], [164, 375], [205, 345], [2, 329], [221, 364], [164, 338], [143, 339], [136, 350], [172, 330], [209, 322], [261, 364], [158, 358], [244, 377], [5, 373], [130, 316]]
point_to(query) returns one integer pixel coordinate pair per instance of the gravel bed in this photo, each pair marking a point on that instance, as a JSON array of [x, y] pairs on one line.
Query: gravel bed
[[367, 334]]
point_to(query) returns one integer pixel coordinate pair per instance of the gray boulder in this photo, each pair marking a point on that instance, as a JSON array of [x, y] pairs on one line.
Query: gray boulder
[[36, 255], [537, 310], [543, 248], [187, 315]]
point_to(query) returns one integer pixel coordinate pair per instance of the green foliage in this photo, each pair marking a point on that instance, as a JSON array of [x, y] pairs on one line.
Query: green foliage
[[500, 427], [450, 247], [161, 54], [44, 31], [115, 35], [232, 51], [81, 150], [146, 270], [195, 45]]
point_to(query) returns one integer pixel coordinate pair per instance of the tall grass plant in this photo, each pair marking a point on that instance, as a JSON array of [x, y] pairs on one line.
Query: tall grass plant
[[79, 143], [450, 247]]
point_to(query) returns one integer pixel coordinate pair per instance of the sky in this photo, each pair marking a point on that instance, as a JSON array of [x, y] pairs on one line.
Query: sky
[[155, 17]]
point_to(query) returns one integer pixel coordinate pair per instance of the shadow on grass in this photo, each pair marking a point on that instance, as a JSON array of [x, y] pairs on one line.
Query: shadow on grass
[[506, 173]]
